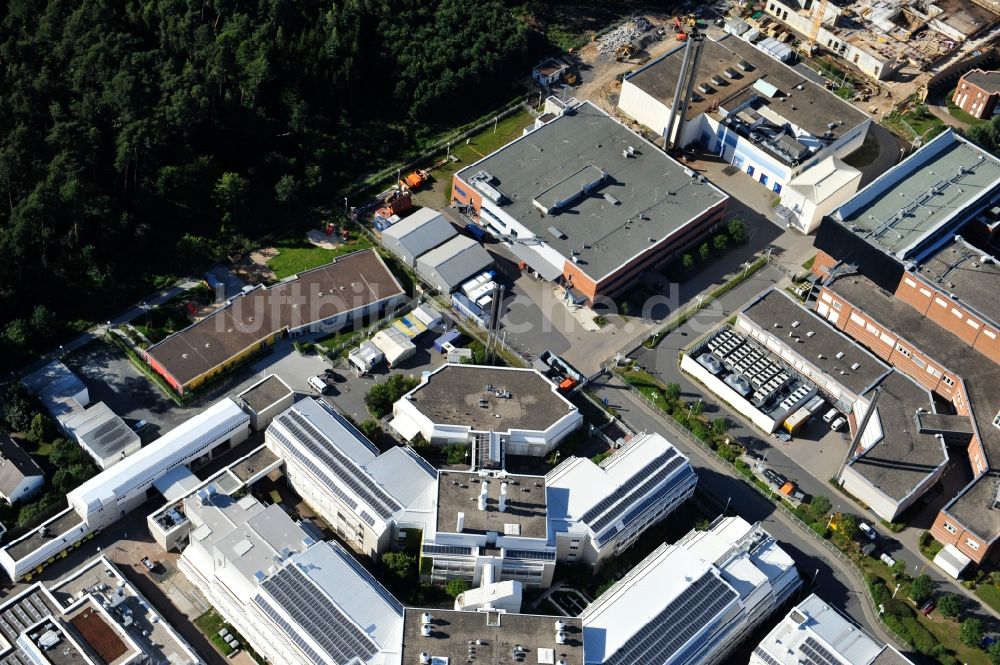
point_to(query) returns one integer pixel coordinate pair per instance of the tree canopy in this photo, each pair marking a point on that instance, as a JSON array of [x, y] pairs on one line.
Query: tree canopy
[[141, 139]]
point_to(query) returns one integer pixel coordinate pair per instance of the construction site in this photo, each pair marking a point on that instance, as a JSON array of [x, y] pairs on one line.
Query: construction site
[[880, 38]]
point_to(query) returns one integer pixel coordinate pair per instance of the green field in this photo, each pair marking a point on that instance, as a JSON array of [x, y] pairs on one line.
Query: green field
[[479, 145], [298, 254]]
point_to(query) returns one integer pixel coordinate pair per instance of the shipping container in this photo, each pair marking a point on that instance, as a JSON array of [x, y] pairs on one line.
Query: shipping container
[[449, 337], [797, 420]]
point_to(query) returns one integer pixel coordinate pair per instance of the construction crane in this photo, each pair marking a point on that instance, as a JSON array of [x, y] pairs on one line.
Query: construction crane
[[817, 23]]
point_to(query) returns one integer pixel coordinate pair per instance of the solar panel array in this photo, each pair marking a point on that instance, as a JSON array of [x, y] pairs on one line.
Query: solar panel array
[[653, 481], [530, 554], [610, 500], [657, 496], [817, 654], [317, 617], [321, 474], [743, 357], [421, 462], [456, 550], [682, 618], [289, 630], [346, 470], [765, 656]]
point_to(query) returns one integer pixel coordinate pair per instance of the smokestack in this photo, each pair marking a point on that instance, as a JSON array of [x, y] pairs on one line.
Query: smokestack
[[461, 523], [483, 493], [503, 497]]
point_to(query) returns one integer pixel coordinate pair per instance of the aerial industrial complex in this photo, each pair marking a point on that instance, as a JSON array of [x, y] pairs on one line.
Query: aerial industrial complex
[[447, 441], [586, 202]]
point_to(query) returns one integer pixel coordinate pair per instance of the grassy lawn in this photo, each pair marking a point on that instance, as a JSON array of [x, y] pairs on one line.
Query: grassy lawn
[[337, 339], [961, 115], [298, 254], [989, 594], [808, 264], [917, 122], [211, 623], [479, 146], [865, 155]]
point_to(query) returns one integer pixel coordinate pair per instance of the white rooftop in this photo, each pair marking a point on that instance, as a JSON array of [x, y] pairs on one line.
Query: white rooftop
[[810, 623], [824, 179], [151, 462]]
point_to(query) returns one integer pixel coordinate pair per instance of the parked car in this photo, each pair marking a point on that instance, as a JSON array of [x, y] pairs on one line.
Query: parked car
[[838, 424], [928, 607], [774, 477], [830, 415], [318, 383], [139, 425], [710, 362], [868, 530], [149, 564]]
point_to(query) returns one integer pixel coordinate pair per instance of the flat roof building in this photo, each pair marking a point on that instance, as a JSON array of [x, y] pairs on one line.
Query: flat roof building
[[367, 497], [459, 403], [60, 391], [20, 476], [693, 601], [447, 266], [111, 494], [326, 298], [586, 202], [102, 434], [597, 511], [490, 638], [489, 527], [295, 600], [755, 112], [416, 234], [911, 209], [266, 399], [815, 632], [92, 617], [817, 192]]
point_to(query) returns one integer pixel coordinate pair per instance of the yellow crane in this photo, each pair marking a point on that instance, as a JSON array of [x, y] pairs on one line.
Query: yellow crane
[[817, 23]]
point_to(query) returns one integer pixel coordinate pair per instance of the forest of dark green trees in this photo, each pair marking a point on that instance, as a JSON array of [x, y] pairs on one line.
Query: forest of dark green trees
[[140, 139]]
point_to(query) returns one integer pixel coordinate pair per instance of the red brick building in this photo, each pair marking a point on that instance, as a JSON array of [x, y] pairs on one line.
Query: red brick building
[[977, 92]]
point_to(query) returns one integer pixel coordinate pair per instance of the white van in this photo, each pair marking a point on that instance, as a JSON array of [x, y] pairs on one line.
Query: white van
[[830, 415], [318, 384], [838, 423]]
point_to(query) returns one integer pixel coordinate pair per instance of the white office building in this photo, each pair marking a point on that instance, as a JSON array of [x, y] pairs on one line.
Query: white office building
[[518, 410], [296, 601], [691, 602], [596, 511], [814, 632], [367, 497], [489, 526]]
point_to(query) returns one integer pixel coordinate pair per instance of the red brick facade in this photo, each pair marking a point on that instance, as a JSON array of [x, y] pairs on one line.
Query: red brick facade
[[972, 97]]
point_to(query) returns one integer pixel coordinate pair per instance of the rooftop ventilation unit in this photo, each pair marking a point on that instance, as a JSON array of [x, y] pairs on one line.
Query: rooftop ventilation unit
[[840, 354], [855, 366], [744, 65], [810, 333]]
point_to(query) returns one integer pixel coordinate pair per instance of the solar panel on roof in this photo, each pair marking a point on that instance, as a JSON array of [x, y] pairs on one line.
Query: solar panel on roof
[[680, 620], [654, 480], [817, 654], [343, 467], [455, 550], [530, 554], [623, 489], [315, 615]]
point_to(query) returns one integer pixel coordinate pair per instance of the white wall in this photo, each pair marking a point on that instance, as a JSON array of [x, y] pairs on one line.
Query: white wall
[[653, 113], [881, 504], [727, 394]]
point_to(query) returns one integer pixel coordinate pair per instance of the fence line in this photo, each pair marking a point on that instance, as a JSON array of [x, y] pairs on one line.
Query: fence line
[[371, 180], [802, 526]]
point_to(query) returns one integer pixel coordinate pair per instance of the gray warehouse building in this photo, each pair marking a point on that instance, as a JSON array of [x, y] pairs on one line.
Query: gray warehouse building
[[419, 233], [447, 266]]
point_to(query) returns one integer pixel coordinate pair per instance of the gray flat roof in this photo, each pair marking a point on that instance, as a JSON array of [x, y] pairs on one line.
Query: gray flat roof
[[453, 394], [456, 260], [101, 431], [976, 371], [988, 81], [810, 108], [453, 631], [55, 529], [936, 189], [776, 312], [957, 268], [903, 457], [265, 393], [526, 504], [643, 200]]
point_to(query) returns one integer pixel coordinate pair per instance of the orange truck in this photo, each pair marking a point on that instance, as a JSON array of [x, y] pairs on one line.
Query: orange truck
[[416, 179]]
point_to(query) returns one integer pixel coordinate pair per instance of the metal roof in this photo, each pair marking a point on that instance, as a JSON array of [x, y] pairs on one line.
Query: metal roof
[[102, 432], [57, 388], [421, 231], [454, 261]]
